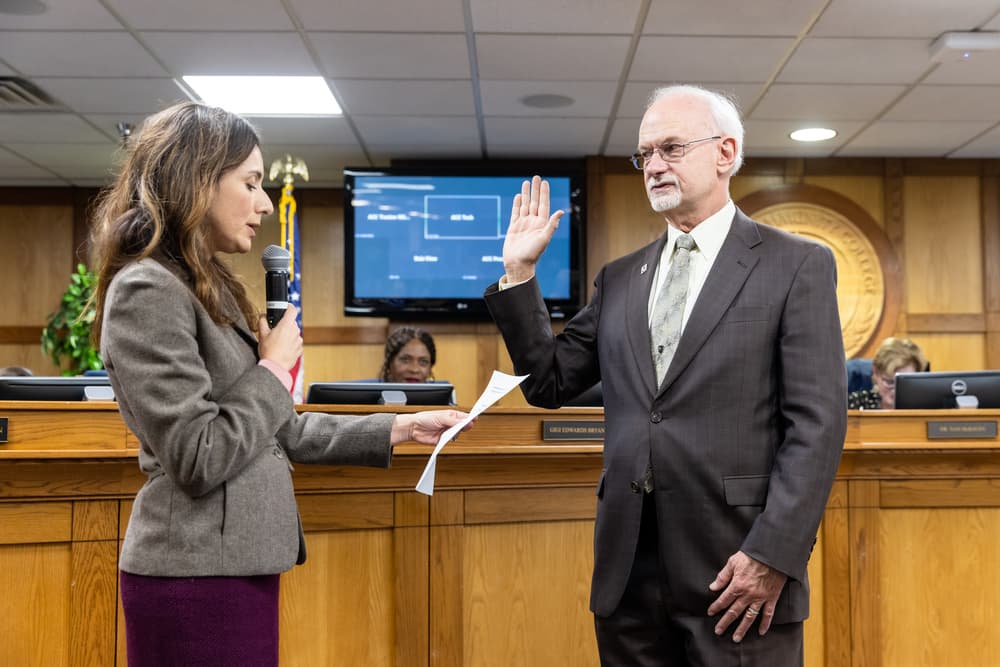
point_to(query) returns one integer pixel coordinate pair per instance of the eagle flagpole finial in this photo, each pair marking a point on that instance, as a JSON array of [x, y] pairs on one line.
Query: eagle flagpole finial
[[288, 168]]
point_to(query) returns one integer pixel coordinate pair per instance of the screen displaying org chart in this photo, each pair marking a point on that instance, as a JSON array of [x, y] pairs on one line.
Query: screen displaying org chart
[[442, 236]]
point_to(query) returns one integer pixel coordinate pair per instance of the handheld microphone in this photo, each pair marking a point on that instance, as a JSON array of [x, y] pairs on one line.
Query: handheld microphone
[[275, 260]]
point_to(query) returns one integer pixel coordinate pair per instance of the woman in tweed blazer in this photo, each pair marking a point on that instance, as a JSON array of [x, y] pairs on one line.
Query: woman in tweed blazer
[[203, 382]]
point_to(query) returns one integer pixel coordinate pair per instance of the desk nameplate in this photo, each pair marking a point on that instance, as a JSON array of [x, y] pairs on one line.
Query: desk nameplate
[[3, 429], [572, 429], [951, 429]]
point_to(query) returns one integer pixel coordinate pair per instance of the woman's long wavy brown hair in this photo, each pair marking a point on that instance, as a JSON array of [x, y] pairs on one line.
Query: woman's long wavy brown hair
[[158, 205]]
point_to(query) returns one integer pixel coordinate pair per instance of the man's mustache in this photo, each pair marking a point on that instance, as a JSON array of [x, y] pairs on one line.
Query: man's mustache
[[665, 179]]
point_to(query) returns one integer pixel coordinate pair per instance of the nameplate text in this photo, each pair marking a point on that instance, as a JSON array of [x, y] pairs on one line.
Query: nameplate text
[[949, 430], [3, 429], [564, 429]]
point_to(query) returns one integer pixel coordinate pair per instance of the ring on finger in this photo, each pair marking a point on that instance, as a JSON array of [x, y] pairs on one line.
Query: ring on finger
[[751, 612]]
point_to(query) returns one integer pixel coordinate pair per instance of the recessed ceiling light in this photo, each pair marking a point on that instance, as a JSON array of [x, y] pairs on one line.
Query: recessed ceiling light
[[267, 95], [813, 134], [546, 101]]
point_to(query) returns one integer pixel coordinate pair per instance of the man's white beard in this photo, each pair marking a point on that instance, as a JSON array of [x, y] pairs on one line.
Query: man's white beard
[[665, 202]]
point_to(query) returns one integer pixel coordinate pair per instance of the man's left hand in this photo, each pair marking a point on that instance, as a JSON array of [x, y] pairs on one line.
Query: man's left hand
[[751, 589]]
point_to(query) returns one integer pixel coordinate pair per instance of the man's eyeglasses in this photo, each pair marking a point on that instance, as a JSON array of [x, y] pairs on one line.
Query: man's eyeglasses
[[667, 152]]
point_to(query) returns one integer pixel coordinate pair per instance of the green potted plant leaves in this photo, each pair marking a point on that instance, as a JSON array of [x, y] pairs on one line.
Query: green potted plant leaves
[[66, 336]]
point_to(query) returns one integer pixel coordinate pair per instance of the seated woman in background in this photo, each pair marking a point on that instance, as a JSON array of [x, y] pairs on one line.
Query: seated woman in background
[[409, 356], [895, 355]]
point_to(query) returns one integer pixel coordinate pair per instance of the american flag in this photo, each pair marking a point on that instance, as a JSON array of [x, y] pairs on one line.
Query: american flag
[[290, 242]]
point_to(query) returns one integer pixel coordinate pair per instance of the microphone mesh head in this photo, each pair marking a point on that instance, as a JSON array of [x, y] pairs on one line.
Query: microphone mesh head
[[275, 258]]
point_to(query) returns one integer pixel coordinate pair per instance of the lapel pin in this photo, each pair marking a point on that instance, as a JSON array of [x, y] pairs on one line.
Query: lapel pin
[[642, 269]]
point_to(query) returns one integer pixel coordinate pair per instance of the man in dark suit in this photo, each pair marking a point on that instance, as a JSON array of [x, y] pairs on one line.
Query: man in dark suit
[[720, 352]]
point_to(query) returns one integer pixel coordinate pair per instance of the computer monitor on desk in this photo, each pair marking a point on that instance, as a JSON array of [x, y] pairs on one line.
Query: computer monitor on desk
[[951, 389], [382, 393], [55, 388]]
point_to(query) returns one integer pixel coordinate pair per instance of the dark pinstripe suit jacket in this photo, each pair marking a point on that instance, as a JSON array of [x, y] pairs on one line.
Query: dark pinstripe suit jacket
[[746, 431]]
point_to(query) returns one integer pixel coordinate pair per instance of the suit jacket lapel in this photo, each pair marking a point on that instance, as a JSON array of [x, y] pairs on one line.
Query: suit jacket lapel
[[637, 307], [731, 268]]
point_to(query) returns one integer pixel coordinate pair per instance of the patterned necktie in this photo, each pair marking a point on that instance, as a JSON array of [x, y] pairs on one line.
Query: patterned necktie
[[668, 312]]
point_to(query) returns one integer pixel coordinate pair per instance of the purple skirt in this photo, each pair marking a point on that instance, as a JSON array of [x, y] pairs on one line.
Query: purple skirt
[[217, 621]]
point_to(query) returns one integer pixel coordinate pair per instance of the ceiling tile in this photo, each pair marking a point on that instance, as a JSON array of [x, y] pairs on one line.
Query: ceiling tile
[[234, 54], [381, 15], [636, 95], [64, 15], [825, 102], [724, 17], [948, 103], [902, 18], [418, 130], [981, 68], [590, 98], [55, 156], [551, 57], [77, 54], [410, 97], [304, 130], [581, 136], [916, 139], [822, 60], [108, 122], [47, 128], [535, 151], [40, 179], [201, 15], [708, 59], [770, 137], [392, 55], [606, 17], [986, 146], [383, 154], [623, 138], [126, 96]]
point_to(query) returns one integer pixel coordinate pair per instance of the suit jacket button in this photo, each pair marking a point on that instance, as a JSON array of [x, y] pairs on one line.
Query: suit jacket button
[[636, 487], [656, 417], [277, 452]]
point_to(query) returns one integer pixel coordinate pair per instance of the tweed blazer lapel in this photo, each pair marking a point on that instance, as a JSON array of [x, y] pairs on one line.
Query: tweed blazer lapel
[[731, 268]]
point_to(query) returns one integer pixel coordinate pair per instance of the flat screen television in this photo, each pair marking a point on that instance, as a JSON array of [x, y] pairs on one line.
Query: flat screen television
[[382, 393], [423, 241], [948, 389], [54, 388]]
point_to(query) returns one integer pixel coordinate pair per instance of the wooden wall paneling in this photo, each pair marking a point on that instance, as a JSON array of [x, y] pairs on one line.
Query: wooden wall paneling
[[991, 266], [93, 594], [28, 354], [446, 641], [943, 244], [599, 229], [541, 504], [458, 362], [743, 184], [35, 523], [347, 582], [865, 568], [447, 542], [835, 544], [953, 351], [631, 223], [526, 593], [36, 251], [411, 570], [936, 606], [35, 605], [866, 191]]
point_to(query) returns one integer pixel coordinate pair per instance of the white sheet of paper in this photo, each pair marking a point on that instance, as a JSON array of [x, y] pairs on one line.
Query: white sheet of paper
[[499, 386]]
